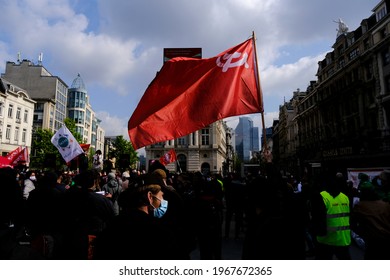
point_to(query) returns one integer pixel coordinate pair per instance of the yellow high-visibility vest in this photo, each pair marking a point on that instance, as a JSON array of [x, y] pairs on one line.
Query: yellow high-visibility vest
[[337, 220]]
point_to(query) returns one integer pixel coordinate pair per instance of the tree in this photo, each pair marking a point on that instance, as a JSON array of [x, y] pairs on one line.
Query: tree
[[44, 153], [123, 151], [71, 125]]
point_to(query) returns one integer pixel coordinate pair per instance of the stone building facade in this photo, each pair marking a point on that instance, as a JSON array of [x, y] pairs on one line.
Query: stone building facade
[[343, 121], [205, 150]]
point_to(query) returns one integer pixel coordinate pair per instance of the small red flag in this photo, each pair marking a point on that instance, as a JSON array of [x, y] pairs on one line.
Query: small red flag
[[23, 156], [168, 157], [189, 93], [4, 162], [85, 147], [11, 156]]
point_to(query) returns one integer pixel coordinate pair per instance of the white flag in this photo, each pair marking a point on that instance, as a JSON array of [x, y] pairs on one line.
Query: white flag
[[66, 144]]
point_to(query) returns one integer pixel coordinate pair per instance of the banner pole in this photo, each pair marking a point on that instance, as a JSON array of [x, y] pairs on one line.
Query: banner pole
[[260, 93], [178, 164]]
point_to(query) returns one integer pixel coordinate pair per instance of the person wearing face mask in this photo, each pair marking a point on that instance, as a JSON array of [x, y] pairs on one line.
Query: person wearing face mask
[[29, 183], [159, 211], [178, 215], [135, 232]]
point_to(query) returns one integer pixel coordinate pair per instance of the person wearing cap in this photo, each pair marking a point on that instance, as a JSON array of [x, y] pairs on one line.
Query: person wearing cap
[[136, 234], [177, 217]]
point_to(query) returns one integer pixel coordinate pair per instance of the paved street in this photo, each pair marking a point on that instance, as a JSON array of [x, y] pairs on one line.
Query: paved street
[[232, 249]]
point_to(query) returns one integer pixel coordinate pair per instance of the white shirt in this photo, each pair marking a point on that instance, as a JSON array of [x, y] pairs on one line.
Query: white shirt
[[97, 161]]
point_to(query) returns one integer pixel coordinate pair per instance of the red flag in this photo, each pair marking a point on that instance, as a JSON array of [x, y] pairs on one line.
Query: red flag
[[85, 147], [168, 157], [23, 156], [189, 93], [11, 156], [4, 162]]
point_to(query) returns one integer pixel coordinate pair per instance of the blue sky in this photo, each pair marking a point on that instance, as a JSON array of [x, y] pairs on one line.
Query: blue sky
[[117, 46]]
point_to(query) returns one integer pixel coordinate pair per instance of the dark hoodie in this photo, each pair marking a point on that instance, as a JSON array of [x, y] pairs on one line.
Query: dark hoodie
[[112, 187]]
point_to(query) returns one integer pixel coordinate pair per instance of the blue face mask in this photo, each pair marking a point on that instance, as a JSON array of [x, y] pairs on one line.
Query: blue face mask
[[160, 211]]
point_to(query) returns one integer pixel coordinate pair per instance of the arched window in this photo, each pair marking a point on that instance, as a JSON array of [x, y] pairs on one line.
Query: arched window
[[205, 168]]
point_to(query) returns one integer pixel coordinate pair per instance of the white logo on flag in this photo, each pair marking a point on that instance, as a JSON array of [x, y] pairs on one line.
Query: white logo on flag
[[167, 157], [228, 58]]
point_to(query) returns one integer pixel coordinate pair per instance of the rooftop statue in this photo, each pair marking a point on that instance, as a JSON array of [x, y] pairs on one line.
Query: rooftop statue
[[343, 28]]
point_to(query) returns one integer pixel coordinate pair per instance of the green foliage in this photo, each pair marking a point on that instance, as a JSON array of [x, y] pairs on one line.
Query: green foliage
[[41, 146], [71, 125], [122, 147]]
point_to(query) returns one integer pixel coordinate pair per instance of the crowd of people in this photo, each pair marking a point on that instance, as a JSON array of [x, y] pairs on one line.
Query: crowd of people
[[124, 214]]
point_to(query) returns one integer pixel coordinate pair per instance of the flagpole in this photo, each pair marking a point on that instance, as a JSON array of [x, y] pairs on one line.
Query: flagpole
[[260, 94], [178, 163]]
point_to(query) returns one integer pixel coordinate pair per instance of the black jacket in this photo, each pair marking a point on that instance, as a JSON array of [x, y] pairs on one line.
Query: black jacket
[[136, 236]]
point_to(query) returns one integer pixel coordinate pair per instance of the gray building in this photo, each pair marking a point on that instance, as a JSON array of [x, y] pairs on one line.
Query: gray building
[[50, 92]]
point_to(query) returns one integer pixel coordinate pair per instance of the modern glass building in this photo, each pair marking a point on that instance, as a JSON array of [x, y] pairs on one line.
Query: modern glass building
[[247, 139], [80, 110]]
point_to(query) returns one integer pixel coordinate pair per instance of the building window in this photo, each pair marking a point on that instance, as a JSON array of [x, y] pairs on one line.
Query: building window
[[205, 168], [8, 133], [39, 107], [24, 133], [1, 108], [381, 13], [205, 136], [181, 163], [25, 117], [366, 44], [353, 54], [10, 110], [18, 113], [386, 57], [341, 63], [340, 50], [16, 135], [383, 33], [80, 130], [181, 141]]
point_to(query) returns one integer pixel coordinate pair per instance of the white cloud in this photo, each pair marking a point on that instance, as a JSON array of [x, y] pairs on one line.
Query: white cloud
[[282, 81], [113, 125], [117, 46]]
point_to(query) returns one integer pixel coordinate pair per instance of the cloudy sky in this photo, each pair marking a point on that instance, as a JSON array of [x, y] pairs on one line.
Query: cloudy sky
[[117, 45]]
